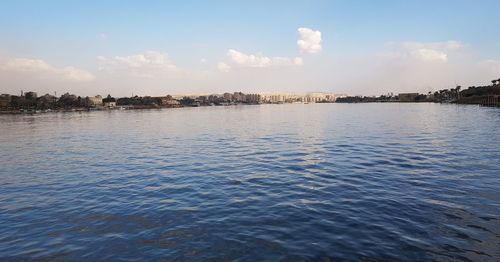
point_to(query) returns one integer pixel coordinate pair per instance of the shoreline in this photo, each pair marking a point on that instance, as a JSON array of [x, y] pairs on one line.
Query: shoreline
[[125, 108]]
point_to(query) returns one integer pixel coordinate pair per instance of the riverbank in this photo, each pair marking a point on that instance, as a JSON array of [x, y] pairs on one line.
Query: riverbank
[[92, 109], [138, 108]]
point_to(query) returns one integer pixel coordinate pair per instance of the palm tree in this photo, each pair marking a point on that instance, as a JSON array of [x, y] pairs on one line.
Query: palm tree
[[457, 89]]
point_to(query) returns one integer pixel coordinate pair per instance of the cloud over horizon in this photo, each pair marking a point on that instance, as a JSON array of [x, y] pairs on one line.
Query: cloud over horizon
[[396, 66], [422, 51], [146, 64], [309, 40], [40, 68], [240, 59], [418, 67]]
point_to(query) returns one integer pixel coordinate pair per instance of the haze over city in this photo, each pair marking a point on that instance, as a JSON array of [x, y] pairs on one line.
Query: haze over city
[[159, 47]]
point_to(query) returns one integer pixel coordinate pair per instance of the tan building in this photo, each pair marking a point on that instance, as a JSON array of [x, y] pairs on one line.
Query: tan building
[[169, 101], [96, 100]]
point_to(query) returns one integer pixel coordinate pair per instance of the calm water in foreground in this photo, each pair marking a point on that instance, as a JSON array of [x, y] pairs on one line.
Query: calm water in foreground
[[251, 183]]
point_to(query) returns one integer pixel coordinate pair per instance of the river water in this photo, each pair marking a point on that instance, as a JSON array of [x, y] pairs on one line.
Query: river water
[[293, 182]]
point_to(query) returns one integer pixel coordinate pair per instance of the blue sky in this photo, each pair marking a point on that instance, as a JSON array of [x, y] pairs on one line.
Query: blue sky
[[195, 36]]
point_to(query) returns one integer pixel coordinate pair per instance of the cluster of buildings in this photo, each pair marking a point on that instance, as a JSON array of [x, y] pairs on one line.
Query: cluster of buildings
[[241, 98], [298, 98], [221, 99], [31, 101]]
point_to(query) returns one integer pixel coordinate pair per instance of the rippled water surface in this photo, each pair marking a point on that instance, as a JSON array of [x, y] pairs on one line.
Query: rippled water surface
[[324, 182]]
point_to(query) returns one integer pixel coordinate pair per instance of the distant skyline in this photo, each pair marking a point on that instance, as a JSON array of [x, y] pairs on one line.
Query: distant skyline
[[174, 47]]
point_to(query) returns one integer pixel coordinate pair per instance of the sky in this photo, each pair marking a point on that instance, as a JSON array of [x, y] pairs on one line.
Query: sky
[[351, 47]]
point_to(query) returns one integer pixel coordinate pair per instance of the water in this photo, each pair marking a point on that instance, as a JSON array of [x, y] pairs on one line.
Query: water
[[323, 182]]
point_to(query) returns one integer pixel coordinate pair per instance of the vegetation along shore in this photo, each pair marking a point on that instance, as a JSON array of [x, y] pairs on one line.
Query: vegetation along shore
[[30, 102]]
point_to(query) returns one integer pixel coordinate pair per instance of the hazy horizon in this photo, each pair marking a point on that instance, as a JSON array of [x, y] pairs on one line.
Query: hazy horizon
[[158, 48]]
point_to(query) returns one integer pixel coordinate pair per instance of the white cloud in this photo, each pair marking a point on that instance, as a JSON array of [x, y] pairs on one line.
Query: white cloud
[[443, 46], [418, 66], [103, 36], [259, 60], [149, 59], [309, 40], [429, 55], [38, 66], [223, 67], [146, 64], [423, 51]]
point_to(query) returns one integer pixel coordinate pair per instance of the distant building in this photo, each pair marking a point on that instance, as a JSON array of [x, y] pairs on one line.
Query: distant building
[[313, 98], [172, 102], [407, 97], [109, 102], [5, 100], [30, 95], [228, 96], [96, 100], [252, 98], [297, 98], [277, 98], [169, 101], [330, 98]]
